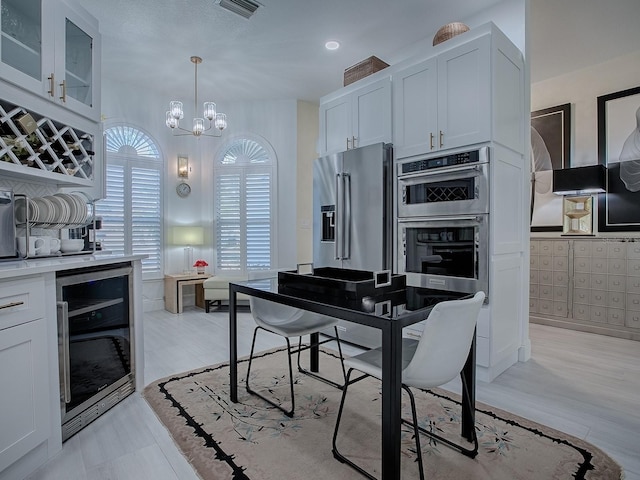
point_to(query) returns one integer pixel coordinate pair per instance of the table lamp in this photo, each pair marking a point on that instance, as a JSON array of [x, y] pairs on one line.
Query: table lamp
[[187, 235]]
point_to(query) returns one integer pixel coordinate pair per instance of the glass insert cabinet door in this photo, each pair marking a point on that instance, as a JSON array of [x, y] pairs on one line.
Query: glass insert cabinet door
[[21, 39]]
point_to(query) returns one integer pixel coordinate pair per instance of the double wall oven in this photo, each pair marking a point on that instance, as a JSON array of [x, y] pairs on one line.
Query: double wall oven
[[442, 239]]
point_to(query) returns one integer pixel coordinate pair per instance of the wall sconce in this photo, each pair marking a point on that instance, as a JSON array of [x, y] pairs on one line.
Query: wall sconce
[[183, 166]]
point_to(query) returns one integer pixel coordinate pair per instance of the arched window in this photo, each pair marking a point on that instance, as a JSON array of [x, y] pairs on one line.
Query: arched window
[[244, 183], [132, 208]]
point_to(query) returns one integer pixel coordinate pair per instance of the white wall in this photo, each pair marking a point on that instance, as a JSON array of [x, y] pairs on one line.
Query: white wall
[[274, 121]]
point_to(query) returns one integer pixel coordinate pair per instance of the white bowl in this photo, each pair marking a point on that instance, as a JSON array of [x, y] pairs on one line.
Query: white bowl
[[68, 245]]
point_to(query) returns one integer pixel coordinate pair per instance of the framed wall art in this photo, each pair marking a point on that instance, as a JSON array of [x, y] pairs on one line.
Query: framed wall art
[[619, 152], [550, 150]]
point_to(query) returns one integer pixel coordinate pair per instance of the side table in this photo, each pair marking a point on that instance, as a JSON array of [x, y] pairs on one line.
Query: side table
[[173, 288]]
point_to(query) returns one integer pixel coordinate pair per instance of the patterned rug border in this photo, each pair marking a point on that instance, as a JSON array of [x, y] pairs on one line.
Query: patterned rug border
[[589, 452]]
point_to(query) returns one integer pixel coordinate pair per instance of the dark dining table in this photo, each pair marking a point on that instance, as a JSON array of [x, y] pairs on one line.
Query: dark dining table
[[389, 313]]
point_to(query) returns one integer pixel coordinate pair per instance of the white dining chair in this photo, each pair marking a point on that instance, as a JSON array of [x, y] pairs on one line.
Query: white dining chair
[[437, 358], [289, 322]]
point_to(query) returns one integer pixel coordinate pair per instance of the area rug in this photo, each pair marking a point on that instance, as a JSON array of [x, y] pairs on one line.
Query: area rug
[[252, 440]]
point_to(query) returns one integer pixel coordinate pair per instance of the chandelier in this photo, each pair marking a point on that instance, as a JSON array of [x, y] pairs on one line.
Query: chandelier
[[175, 113]]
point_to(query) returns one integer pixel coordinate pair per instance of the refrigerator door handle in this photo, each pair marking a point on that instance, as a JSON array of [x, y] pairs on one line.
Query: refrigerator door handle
[[346, 234], [63, 345], [338, 218]]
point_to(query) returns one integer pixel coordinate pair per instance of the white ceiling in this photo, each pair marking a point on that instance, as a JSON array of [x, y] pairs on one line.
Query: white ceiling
[[279, 52]]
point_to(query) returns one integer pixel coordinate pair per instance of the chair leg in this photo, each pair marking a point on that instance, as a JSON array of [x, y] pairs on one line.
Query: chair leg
[[288, 413], [468, 452], [319, 377], [416, 430]]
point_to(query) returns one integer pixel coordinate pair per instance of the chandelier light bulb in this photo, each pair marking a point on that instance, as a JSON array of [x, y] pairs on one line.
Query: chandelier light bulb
[[209, 110], [198, 126], [221, 121], [171, 121], [175, 108]]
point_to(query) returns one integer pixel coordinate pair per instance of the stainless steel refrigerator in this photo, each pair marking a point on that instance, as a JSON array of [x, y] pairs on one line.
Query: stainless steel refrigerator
[[353, 218]]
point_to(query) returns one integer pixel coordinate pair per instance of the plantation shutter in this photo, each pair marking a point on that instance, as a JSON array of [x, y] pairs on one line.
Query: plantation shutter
[[229, 222], [258, 220], [146, 223], [111, 209]]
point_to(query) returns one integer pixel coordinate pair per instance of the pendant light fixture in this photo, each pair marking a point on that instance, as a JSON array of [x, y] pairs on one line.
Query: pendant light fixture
[[215, 119]]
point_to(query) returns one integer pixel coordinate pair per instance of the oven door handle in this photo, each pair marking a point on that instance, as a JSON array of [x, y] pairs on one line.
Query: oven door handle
[[63, 345], [413, 220], [476, 169]]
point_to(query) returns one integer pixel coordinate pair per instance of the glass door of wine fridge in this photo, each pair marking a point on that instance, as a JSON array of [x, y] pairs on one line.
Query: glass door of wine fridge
[[95, 329]]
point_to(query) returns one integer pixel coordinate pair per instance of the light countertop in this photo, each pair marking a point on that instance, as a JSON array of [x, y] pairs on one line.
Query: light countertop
[[35, 266]]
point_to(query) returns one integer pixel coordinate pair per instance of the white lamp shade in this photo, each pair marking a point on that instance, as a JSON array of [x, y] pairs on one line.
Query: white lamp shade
[[184, 235]]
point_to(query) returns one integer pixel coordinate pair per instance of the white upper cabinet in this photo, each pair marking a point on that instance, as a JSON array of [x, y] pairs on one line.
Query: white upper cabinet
[[53, 50], [445, 101], [357, 118]]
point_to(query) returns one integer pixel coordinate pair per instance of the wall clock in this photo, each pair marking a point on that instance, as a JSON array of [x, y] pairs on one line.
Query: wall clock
[[183, 189]]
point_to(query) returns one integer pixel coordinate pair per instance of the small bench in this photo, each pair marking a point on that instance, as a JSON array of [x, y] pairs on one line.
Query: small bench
[[216, 289]]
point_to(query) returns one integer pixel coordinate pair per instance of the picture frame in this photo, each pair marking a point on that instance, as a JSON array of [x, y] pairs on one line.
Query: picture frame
[[550, 150], [619, 152]]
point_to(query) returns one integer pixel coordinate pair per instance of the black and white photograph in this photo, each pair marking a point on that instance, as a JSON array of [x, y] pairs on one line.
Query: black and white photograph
[[550, 150], [619, 151]]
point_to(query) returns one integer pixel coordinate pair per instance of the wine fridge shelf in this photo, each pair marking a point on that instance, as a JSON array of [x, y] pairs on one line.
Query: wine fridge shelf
[[34, 145]]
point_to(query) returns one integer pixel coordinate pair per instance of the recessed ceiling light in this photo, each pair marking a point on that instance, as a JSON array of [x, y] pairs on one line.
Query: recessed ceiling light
[[332, 45]]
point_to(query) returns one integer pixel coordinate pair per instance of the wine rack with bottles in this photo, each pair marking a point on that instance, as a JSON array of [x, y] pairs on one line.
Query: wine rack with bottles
[[34, 142]]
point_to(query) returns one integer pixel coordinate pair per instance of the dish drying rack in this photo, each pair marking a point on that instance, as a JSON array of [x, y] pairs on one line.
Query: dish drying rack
[[59, 226]]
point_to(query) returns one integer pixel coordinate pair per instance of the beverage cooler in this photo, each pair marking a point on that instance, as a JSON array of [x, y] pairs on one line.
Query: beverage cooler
[[95, 330]]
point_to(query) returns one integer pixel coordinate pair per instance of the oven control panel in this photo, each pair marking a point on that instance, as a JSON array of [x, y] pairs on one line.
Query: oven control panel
[[475, 156]]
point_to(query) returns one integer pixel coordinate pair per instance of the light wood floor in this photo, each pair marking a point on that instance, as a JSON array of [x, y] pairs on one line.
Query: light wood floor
[[584, 384]]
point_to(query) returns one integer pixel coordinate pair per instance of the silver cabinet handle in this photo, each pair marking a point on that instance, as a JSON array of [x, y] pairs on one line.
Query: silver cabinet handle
[[63, 346], [12, 304], [52, 89], [348, 143]]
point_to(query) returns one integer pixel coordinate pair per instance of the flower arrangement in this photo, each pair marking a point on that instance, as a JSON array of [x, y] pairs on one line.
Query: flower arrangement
[[200, 264]]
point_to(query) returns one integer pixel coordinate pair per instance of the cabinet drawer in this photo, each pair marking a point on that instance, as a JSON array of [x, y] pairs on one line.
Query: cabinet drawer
[[617, 266], [633, 302], [582, 280], [615, 316], [21, 301], [616, 283], [581, 295], [581, 312], [561, 248], [546, 262], [598, 281], [598, 314], [616, 250], [633, 250], [560, 309], [545, 307], [583, 249], [533, 305], [534, 276], [599, 249], [633, 285], [534, 247], [582, 265], [546, 292], [560, 294], [615, 299], [561, 264], [598, 265], [561, 278], [534, 262], [598, 297], [633, 267], [632, 319], [546, 277], [546, 247], [534, 290]]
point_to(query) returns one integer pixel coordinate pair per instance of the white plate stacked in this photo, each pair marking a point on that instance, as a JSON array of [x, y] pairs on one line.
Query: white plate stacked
[[78, 210], [62, 211]]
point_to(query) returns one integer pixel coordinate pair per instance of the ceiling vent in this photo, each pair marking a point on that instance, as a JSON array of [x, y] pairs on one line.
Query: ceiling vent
[[244, 8]]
